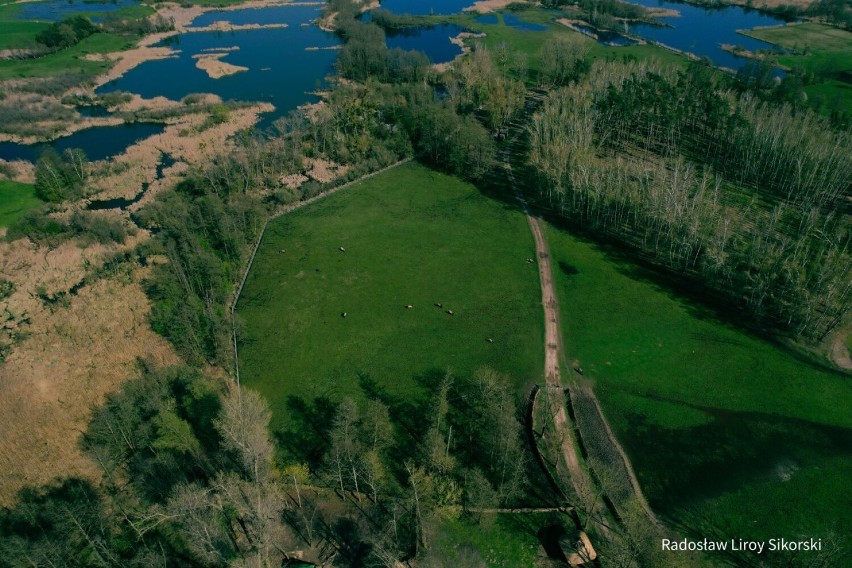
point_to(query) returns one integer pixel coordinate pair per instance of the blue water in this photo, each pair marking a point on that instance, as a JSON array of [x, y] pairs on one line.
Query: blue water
[[513, 21], [292, 15], [702, 31], [426, 7], [490, 19], [434, 41], [58, 9], [281, 70], [98, 143]]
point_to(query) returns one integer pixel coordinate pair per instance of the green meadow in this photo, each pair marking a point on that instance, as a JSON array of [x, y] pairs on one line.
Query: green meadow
[[15, 200], [67, 61], [729, 434], [411, 236]]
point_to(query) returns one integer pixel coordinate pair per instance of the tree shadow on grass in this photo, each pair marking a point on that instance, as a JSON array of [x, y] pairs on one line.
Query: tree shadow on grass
[[411, 418], [690, 291], [307, 440]]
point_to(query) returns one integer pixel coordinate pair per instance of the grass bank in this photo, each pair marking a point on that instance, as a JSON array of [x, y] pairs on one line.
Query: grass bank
[[71, 60], [15, 200], [822, 50], [411, 236], [728, 434]]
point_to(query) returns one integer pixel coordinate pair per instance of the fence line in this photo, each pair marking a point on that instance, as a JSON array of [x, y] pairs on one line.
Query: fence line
[[283, 211]]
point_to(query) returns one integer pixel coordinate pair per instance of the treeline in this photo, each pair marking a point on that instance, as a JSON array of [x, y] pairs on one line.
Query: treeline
[[607, 14], [443, 134], [745, 197], [67, 33], [205, 237], [190, 479]]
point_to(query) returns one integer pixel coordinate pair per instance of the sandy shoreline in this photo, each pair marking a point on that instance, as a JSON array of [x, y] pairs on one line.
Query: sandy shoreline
[[458, 40], [212, 64], [486, 6]]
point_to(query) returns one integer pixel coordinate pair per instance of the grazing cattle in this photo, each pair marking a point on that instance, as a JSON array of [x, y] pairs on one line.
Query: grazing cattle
[[342, 249], [529, 261], [579, 370], [343, 314], [489, 340], [439, 305], [282, 250], [450, 312], [408, 306]]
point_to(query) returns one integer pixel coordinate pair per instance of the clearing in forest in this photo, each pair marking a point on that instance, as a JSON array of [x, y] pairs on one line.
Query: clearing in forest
[[409, 237]]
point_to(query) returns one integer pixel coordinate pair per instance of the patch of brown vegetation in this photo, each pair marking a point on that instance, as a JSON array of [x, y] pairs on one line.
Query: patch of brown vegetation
[[22, 171], [74, 355], [325, 171], [212, 64], [774, 3], [485, 6], [292, 181], [225, 26], [71, 358]]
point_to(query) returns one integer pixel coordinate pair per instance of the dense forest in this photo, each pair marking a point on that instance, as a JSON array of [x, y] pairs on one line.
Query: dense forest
[[746, 197]]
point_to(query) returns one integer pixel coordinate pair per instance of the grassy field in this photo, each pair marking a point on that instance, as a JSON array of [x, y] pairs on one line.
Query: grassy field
[[823, 50], [19, 35], [15, 200], [501, 540], [411, 236], [67, 61], [728, 434]]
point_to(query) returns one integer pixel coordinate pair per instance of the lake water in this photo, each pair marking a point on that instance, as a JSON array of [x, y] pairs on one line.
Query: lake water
[[426, 7], [434, 41], [59, 9], [280, 68], [515, 22], [702, 31], [98, 143], [606, 37]]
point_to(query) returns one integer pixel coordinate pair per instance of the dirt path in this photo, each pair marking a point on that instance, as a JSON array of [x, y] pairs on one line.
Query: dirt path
[[840, 354], [552, 357], [579, 477]]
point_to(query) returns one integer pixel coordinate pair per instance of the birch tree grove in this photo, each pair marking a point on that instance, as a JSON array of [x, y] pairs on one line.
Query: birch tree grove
[[746, 197]]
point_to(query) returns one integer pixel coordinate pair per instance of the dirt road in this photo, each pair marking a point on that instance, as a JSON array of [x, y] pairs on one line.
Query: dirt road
[[552, 357]]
